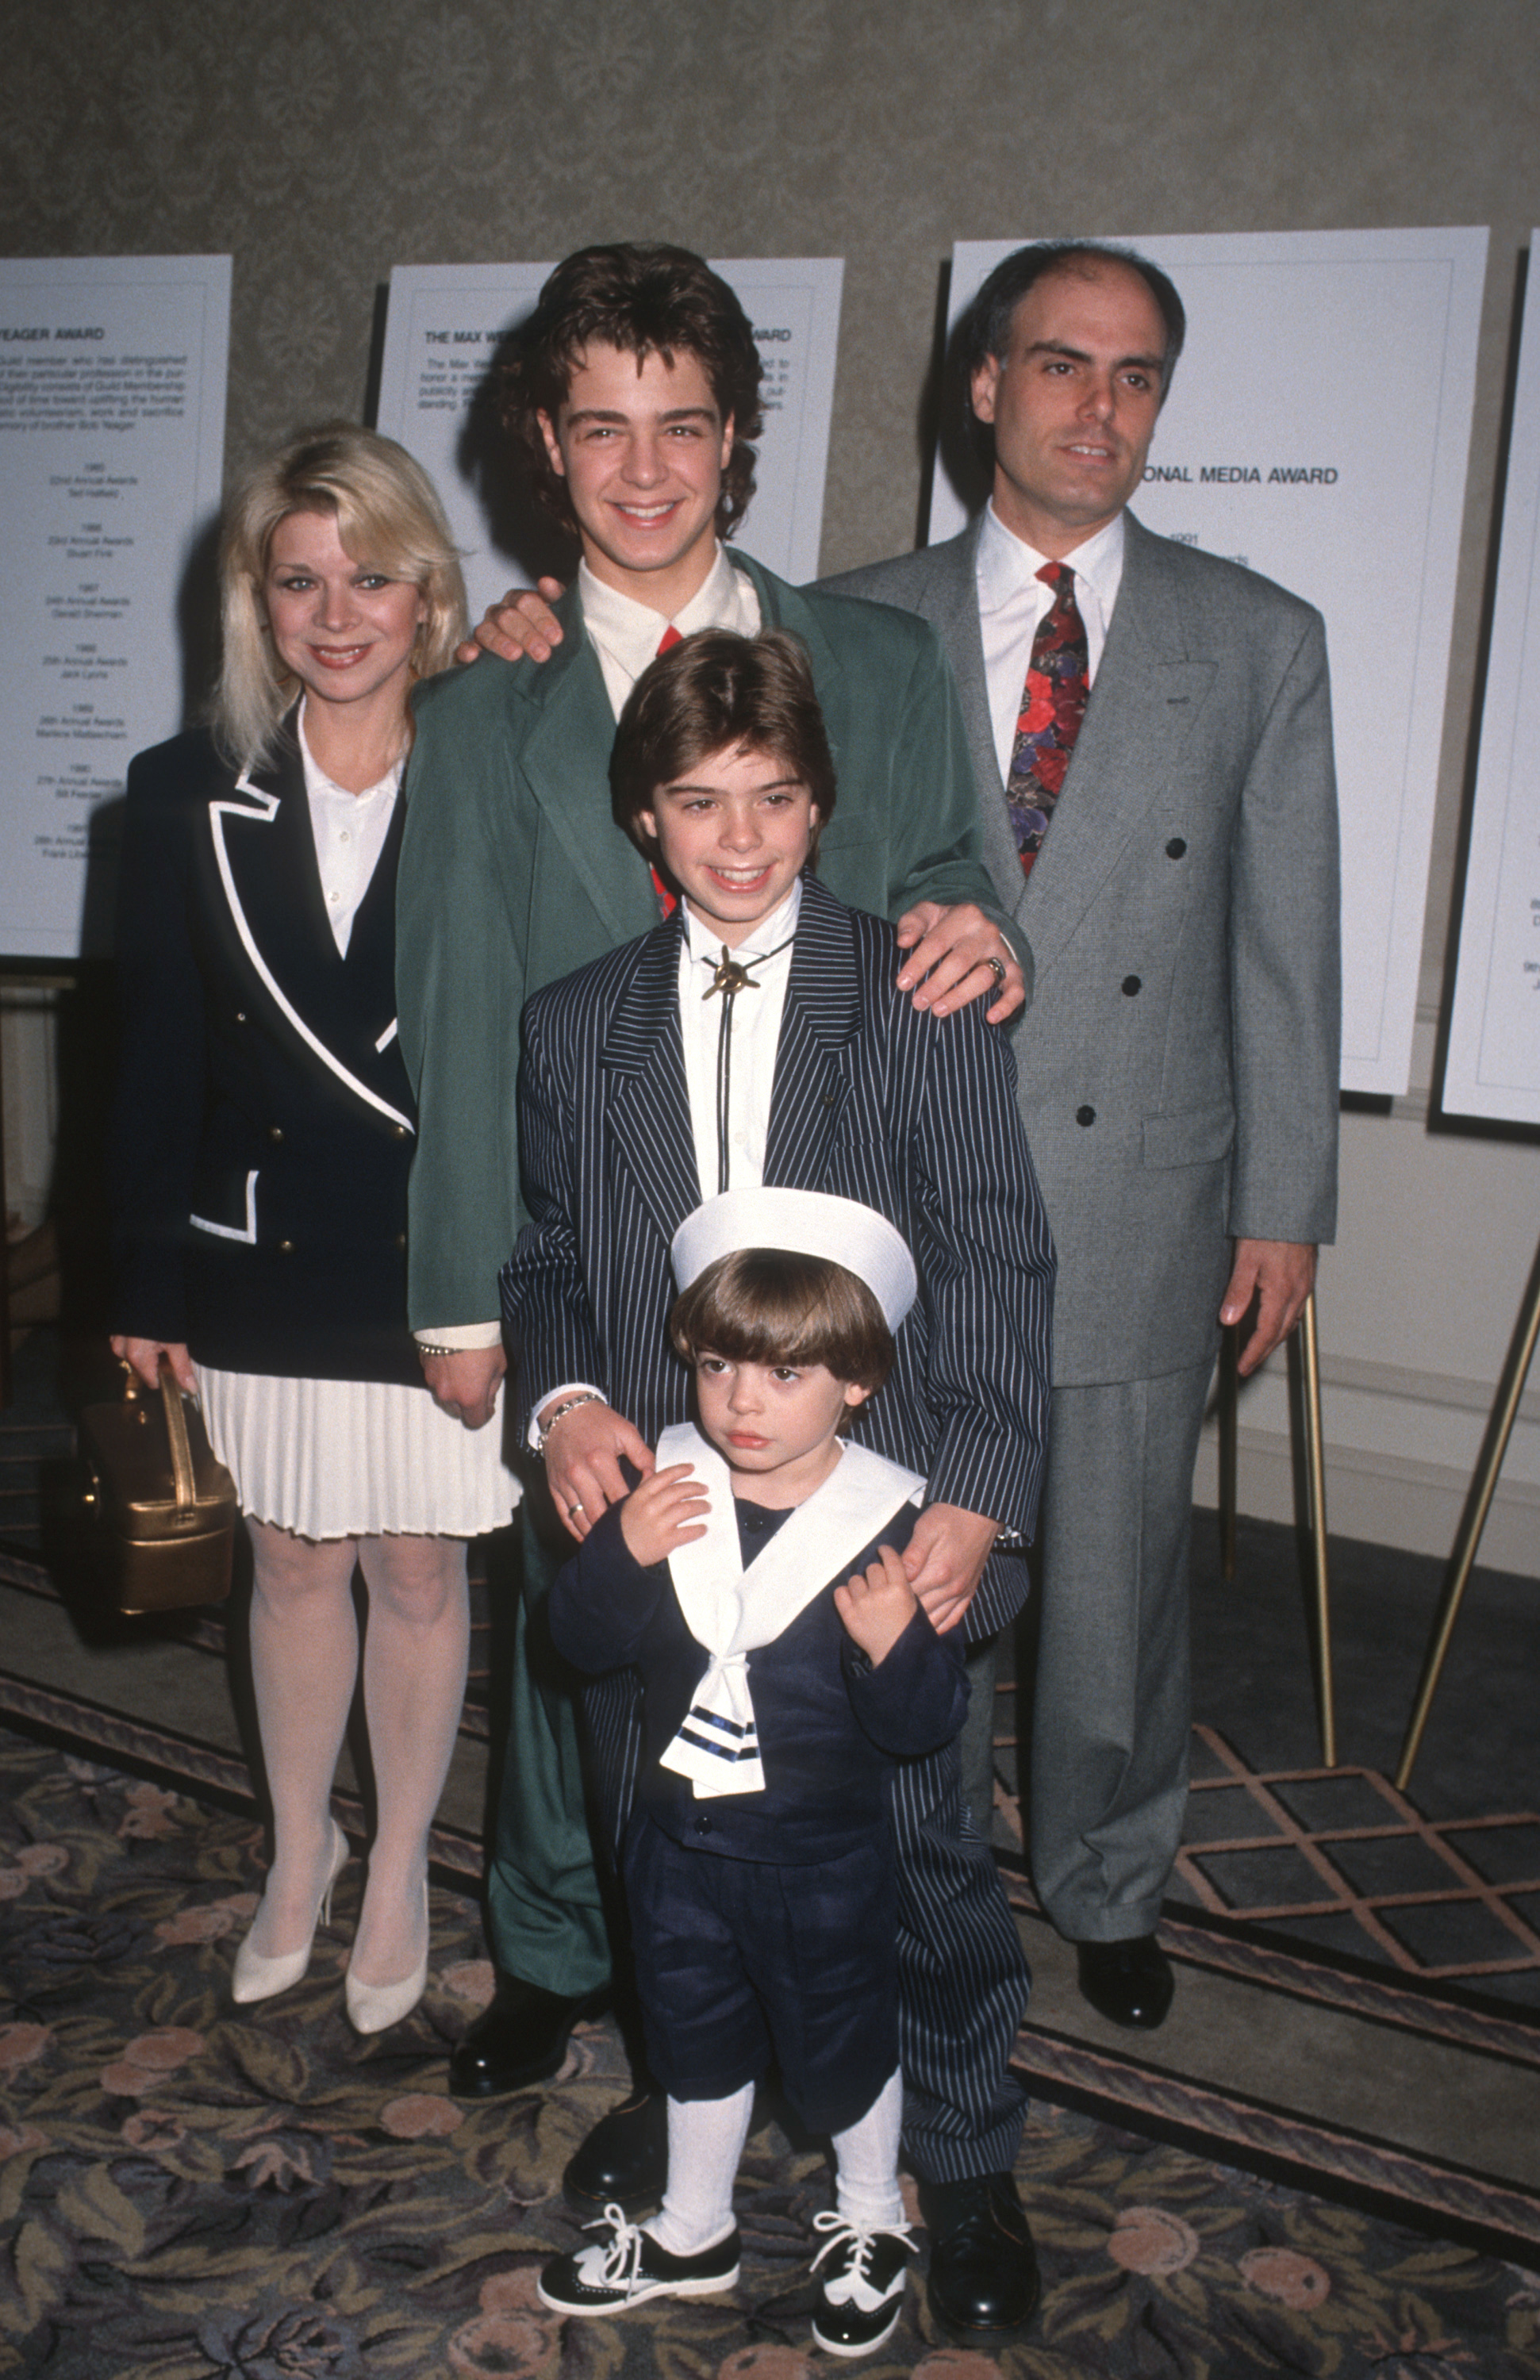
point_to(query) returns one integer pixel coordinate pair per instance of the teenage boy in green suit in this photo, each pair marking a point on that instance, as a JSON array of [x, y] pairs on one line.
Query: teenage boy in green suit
[[635, 391]]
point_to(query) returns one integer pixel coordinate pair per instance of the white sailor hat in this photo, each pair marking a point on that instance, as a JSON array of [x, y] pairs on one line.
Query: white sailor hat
[[804, 1222]]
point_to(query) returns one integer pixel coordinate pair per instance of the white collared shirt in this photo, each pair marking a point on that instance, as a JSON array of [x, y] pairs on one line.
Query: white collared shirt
[[1012, 600], [350, 830], [755, 1030], [626, 634]]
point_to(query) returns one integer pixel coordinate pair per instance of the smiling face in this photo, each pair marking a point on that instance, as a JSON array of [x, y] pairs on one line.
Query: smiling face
[[1074, 403], [642, 450], [774, 1424], [734, 832], [345, 628]]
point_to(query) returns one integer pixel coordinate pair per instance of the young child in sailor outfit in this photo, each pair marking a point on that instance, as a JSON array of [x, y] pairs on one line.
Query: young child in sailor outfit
[[755, 1581]]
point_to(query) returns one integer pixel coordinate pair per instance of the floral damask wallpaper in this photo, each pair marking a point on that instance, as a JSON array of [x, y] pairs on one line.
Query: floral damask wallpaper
[[322, 146]]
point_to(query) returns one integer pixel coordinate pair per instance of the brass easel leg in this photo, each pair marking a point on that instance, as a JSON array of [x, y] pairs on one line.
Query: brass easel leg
[[5, 1263], [1314, 1491], [1230, 1393], [1478, 1503]]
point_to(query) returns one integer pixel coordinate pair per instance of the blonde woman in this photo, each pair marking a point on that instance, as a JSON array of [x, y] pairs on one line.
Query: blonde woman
[[264, 1130]]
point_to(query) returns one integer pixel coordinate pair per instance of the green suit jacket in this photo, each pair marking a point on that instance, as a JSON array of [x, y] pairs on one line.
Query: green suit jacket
[[512, 873]]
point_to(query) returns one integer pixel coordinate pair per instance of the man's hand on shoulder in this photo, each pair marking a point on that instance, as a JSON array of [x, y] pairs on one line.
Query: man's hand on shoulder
[[957, 955], [1274, 1276], [466, 1382], [944, 1561], [584, 1449], [522, 626]]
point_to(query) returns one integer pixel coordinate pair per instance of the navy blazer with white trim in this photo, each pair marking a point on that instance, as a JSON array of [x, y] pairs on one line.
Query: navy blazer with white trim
[[264, 1125]]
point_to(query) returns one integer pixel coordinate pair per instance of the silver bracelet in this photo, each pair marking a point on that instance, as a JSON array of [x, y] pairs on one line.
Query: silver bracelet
[[432, 1347], [568, 1405]]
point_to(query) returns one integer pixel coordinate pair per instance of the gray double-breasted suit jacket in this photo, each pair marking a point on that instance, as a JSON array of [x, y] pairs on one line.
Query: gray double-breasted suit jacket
[[1179, 1082]]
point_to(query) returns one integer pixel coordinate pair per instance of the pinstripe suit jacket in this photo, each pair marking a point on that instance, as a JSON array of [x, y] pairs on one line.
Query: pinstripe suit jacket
[[871, 1101]]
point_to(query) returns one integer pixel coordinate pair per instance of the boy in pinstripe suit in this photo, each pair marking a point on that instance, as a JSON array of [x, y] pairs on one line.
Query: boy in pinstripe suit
[[756, 1036]]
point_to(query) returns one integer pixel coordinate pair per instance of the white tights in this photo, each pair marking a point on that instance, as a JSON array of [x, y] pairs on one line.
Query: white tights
[[304, 1663], [706, 2141]]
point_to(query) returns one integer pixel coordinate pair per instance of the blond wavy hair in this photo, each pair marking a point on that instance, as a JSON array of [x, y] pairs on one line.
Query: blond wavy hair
[[387, 512]]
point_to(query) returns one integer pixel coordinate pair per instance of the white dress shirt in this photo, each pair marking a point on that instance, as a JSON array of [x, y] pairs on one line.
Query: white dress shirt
[[350, 830], [626, 635], [1012, 600], [755, 1018]]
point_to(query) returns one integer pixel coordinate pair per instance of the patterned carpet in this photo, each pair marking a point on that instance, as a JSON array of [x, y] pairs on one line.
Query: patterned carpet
[[189, 2190]]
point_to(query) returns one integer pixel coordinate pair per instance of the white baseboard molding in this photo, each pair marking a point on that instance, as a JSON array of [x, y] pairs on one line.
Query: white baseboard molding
[[1386, 1497]]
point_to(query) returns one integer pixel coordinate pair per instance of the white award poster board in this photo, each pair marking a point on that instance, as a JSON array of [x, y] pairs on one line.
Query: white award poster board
[[1492, 1067], [443, 327], [1318, 430], [112, 440]]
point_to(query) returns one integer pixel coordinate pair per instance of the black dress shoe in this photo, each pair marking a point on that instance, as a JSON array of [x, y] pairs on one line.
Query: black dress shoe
[[625, 2160], [521, 2038], [983, 2283], [1129, 1982]]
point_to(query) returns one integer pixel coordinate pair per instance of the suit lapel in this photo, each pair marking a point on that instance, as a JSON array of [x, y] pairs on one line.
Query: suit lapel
[[264, 849], [565, 764], [642, 1071], [821, 1016], [1147, 695]]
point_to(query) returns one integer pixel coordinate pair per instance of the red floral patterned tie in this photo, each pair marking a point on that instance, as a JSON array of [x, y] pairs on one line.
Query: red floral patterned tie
[[667, 901], [1053, 704]]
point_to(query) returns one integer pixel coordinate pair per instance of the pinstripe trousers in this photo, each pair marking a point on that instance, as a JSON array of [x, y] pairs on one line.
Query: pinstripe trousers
[[962, 1975]]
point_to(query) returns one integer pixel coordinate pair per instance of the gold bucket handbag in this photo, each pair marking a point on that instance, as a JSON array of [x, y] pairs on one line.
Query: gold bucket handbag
[[158, 1504]]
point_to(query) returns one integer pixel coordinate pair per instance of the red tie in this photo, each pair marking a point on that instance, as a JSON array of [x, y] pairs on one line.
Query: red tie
[[1053, 704], [667, 901]]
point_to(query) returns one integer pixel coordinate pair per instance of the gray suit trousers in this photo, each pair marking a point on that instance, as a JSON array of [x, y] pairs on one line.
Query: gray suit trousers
[[1111, 1717]]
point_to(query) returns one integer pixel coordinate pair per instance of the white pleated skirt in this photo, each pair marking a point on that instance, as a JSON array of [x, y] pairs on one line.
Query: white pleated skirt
[[355, 1458]]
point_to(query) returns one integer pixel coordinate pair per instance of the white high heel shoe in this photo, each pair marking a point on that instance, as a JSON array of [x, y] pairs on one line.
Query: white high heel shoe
[[259, 1978], [374, 2008]]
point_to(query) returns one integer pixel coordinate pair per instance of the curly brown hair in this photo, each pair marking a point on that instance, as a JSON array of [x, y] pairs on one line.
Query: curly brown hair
[[646, 299]]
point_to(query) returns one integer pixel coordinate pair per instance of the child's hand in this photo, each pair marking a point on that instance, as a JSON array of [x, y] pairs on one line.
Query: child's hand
[[877, 1608], [666, 1510]]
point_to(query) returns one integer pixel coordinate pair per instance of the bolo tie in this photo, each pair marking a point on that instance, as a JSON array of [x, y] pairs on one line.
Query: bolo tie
[[730, 976]]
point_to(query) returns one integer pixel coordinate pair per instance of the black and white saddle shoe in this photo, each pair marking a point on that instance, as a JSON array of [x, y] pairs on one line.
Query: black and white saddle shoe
[[861, 2290], [629, 2267]]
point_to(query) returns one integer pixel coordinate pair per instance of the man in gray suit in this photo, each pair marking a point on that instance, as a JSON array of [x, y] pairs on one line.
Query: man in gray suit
[[1178, 1065]]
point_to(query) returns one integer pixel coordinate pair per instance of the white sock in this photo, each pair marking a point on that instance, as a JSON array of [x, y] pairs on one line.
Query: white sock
[[706, 2140], [866, 2163]]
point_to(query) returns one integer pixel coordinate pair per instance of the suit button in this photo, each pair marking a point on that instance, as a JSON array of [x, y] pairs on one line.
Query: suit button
[[1176, 848], [285, 1247], [241, 1016], [275, 1133], [703, 1826], [1131, 987], [398, 1132], [1085, 1115], [401, 1242]]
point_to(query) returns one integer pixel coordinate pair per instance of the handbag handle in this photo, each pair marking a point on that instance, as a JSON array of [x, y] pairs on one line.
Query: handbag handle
[[176, 1431]]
